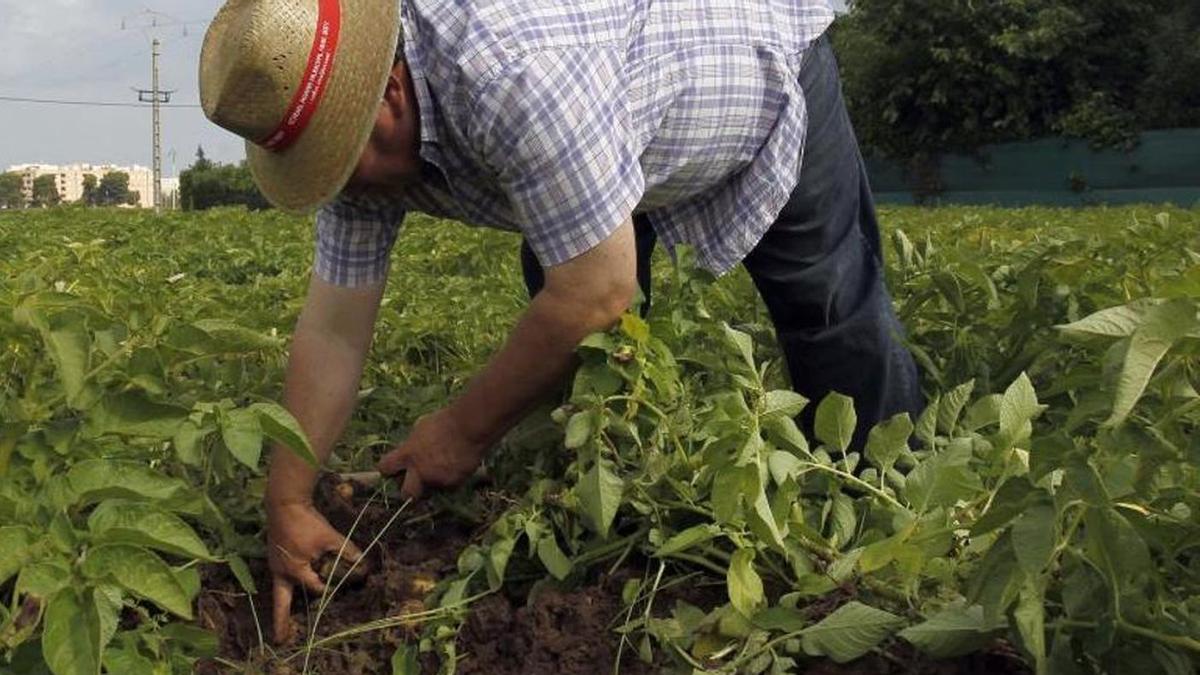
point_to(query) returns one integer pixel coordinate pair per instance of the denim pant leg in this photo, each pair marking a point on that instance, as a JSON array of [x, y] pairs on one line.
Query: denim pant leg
[[535, 277], [820, 273]]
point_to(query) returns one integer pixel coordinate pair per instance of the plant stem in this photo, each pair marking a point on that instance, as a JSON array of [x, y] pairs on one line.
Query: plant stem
[[608, 549], [702, 562], [856, 481]]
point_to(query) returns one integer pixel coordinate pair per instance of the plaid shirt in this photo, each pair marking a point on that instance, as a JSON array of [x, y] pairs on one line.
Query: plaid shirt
[[560, 119]]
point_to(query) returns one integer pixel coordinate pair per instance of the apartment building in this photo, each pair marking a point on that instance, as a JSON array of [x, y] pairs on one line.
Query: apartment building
[[68, 180]]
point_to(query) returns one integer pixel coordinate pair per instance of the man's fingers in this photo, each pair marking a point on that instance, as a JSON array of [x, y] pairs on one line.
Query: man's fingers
[[282, 616], [351, 552], [413, 487], [310, 579], [391, 463]]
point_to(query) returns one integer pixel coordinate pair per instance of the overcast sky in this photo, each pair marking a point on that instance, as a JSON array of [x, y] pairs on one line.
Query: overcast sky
[[77, 50]]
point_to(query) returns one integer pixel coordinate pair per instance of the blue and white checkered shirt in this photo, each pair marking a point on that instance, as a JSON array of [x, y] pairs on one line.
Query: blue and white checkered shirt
[[560, 119]]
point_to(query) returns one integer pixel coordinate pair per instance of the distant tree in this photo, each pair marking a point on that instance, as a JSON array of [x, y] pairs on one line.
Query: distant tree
[[202, 163], [45, 191], [134, 198], [113, 189], [90, 190], [928, 77], [10, 191], [206, 184]]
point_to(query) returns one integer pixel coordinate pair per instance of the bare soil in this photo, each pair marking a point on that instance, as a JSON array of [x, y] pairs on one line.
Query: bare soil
[[550, 631]]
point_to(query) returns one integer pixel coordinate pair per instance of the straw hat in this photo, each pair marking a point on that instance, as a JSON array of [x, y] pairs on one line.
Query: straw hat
[[301, 81]]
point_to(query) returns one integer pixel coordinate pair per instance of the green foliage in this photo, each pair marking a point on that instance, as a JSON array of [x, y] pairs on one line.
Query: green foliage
[[11, 196], [45, 191], [206, 184], [924, 78], [1047, 496], [113, 190], [90, 195]]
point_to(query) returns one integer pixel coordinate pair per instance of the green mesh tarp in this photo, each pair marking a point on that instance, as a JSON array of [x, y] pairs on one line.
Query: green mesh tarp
[[1164, 167]]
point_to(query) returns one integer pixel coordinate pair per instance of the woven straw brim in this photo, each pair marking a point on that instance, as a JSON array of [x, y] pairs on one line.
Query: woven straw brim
[[313, 170]]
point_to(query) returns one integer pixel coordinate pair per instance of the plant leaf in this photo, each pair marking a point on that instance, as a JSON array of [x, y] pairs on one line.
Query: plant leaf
[[1115, 322], [1030, 619], [243, 435], [404, 661], [783, 402], [888, 440], [553, 558], [227, 336], [71, 634], [97, 479], [140, 572], [951, 405], [1017, 410], [1164, 325], [835, 420], [783, 465], [119, 521], [1034, 535], [682, 541], [241, 572], [132, 414], [15, 544], [953, 632], [69, 346], [783, 432], [942, 479], [851, 631], [579, 430], [599, 493], [1011, 500], [742, 343], [279, 425], [783, 619], [187, 442], [744, 585], [926, 426], [762, 521]]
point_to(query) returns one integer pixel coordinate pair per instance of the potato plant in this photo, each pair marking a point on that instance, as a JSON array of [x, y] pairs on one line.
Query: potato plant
[[1046, 498]]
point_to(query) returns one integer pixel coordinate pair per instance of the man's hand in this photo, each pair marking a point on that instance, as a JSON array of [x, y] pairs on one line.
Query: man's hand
[[296, 536], [436, 454], [582, 296]]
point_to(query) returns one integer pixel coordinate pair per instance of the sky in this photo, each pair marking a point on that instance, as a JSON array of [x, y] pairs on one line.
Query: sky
[[77, 50]]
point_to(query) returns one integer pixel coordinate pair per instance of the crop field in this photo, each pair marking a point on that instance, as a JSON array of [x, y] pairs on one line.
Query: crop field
[[665, 514]]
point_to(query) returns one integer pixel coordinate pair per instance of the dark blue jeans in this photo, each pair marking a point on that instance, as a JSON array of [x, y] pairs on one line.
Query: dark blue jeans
[[819, 270]]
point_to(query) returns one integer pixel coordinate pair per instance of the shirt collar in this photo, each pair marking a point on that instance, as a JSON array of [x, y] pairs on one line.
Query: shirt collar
[[414, 57]]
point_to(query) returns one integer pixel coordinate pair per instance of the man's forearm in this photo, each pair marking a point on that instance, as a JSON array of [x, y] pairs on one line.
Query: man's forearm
[[320, 391], [537, 358]]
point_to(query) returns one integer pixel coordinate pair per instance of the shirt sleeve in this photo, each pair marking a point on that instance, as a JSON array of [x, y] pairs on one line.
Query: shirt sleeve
[[354, 240], [555, 129]]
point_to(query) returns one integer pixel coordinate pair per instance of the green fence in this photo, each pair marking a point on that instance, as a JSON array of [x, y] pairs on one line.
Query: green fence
[[1164, 167]]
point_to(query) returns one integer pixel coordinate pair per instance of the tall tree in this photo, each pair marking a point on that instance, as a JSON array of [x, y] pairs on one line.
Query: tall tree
[[45, 191], [202, 163], [206, 184], [113, 189], [10, 191], [926, 77], [90, 190]]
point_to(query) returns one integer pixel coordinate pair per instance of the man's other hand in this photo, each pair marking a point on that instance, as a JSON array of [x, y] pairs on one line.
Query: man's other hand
[[436, 454]]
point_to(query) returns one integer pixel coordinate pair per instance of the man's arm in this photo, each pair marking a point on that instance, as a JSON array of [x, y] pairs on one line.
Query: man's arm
[[328, 350], [584, 295]]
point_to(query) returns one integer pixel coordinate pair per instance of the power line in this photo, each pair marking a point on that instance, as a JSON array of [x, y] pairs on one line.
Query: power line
[[103, 104]]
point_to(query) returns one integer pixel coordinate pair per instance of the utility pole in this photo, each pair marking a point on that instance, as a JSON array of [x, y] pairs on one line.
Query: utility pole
[[155, 97], [152, 23]]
